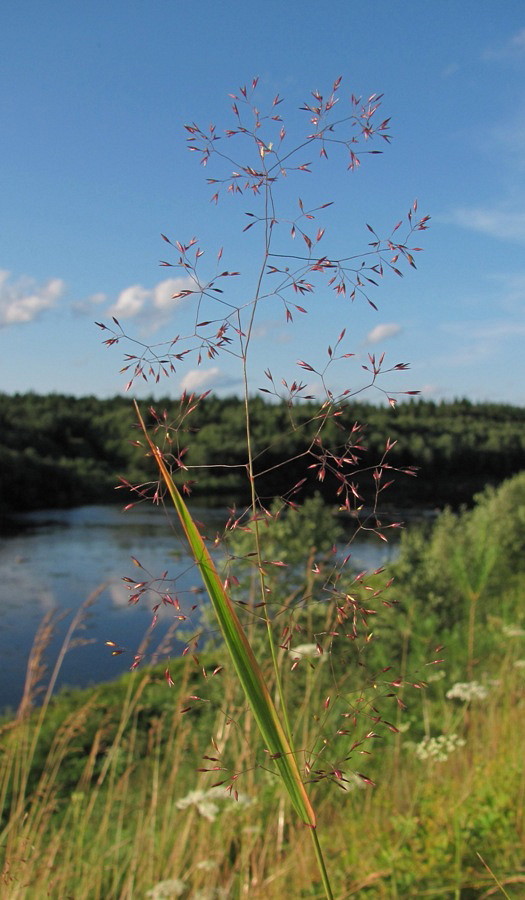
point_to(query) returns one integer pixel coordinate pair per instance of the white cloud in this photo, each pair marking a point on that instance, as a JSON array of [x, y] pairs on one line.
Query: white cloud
[[23, 300], [513, 48], [86, 307], [163, 292], [431, 390], [196, 379], [498, 330], [152, 305], [517, 42], [130, 302], [383, 332], [96, 299], [507, 225]]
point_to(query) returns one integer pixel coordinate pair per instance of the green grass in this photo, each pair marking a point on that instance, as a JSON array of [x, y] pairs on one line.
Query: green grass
[[109, 809], [103, 793]]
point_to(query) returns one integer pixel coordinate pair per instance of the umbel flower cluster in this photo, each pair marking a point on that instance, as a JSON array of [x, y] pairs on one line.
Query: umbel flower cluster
[[439, 748], [206, 803], [467, 691]]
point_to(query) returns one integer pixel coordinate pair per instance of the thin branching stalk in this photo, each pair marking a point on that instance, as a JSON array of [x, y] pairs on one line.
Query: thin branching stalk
[[251, 476], [284, 278]]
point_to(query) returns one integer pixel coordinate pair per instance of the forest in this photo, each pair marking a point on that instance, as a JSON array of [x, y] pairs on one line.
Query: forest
[[58, 450]]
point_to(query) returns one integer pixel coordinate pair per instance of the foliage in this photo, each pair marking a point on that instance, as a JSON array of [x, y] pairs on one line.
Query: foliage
[[145, 811], [112, 775], [309, 737], [59, 450], [461, 560]]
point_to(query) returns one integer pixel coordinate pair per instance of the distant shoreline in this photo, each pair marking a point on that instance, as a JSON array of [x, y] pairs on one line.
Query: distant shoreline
[[59, 451]]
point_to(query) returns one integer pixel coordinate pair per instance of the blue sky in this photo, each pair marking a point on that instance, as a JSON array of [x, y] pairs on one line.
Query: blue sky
[[94, 167]]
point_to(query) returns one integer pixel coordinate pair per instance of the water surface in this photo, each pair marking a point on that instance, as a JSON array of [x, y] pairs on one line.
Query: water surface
[[60, 558]]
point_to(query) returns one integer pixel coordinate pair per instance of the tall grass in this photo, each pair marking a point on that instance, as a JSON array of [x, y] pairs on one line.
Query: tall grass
[[100, 796], [125, 814], [256, 159], [113, 807]]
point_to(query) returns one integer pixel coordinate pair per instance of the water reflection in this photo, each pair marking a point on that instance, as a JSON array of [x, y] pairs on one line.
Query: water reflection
[[61, 557]]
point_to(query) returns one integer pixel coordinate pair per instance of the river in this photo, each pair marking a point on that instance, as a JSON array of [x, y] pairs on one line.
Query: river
[[67, 563]]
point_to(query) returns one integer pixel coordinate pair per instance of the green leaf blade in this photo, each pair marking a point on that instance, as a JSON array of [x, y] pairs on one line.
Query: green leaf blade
[[241, 653]]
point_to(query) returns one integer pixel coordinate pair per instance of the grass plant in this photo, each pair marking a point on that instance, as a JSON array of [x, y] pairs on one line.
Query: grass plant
[[101, 794], [113, 807], [280, 275]]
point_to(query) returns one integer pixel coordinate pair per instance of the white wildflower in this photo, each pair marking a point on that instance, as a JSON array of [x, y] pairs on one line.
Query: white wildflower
[[519, 664], [205, 801], [467, 691], [303, 651], [438, 748]]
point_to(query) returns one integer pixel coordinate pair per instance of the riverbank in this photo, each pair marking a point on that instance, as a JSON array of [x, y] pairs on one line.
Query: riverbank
[[108, 790], [414, 762], [61, 558]]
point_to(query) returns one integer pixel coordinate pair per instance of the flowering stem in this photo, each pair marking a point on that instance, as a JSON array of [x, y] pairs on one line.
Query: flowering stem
[[253, 495]]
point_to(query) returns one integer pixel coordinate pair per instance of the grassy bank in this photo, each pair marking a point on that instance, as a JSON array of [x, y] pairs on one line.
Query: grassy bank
[[103, 795], [113, 804]]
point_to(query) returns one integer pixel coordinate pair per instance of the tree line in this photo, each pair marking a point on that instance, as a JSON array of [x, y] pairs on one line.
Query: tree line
[[58, 450]]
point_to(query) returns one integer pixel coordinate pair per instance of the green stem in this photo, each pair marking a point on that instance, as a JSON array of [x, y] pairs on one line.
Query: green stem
[[253, 497], [320, 862], [473, 599]]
